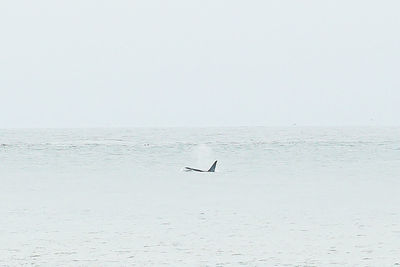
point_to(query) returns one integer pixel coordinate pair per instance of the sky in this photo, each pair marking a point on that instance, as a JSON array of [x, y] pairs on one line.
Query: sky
[[85, 63]]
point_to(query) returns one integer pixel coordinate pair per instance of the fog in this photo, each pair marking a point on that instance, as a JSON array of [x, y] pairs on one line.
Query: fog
[[199, 63]]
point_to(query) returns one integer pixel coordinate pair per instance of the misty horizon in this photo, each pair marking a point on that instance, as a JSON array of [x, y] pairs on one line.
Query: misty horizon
[[214, 63]]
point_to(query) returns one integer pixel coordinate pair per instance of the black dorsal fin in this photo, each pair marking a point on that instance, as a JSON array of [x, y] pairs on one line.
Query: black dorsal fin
[[212, 169]]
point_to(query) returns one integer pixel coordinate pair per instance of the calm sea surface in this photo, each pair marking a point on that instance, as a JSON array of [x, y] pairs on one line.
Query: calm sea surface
[[280, 196], [291, 150]]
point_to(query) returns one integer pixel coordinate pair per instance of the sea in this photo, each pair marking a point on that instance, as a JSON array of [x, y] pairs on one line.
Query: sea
[[280, 196]]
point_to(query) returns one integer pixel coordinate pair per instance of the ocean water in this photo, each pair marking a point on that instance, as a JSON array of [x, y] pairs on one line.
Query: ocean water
[[280, 197]]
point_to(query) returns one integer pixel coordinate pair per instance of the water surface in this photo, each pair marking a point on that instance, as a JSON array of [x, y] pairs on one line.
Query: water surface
[[280, 197]]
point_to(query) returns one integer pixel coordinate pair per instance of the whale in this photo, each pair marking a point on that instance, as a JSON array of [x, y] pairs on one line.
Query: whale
[[212, 168]]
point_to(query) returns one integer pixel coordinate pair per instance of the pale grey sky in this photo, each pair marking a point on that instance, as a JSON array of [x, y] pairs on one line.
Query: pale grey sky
[[80, 63]]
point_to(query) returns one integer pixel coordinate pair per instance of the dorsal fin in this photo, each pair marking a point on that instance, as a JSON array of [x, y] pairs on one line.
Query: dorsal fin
[[212, 169]]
